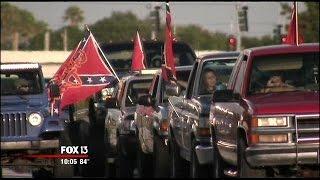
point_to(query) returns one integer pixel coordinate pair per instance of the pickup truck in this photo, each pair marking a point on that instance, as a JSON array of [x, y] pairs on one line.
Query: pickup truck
[[189, 133], [28, 126], [151, 119], [266, 123], [120, 129]]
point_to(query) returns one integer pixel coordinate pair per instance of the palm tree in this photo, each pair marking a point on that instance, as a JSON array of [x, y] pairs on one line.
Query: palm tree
[[73, 14]]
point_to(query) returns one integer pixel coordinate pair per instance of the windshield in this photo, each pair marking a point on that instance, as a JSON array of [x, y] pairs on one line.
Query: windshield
[[215, 75], [120, 58], [136, 89], [282, 73], [20, 82]]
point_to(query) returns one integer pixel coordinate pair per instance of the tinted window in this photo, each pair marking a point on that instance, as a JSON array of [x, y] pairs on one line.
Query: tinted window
[[215, 75], [136, 89], [289, 72], [20, 82]]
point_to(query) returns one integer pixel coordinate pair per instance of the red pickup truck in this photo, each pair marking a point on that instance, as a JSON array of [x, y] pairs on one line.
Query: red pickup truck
[[267, 121]]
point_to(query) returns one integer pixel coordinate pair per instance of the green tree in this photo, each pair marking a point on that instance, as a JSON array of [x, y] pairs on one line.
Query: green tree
[[74, 15], [121, 26], [202, 39], [15, 20], [308, 20], [249, 42]]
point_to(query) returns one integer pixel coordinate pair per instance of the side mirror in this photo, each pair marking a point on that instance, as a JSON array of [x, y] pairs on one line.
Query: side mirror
[[111, 103], [145, 100], [173, 89], [225, 96], [54, 91]]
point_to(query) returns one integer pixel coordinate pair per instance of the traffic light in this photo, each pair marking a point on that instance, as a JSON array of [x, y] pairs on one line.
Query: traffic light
[[232, 43], [277, 34], [243, 18], [155, 16]]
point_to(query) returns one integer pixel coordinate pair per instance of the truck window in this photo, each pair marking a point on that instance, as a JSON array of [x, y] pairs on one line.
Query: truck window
[[283, 73], [182, 78], [26, 82], [191, 80], [215, 74], [136, 89]]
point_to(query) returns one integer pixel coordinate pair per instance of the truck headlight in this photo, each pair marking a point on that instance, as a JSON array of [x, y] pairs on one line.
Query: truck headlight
[[272, 121], [278, 138], [104, 92], [35, 119]]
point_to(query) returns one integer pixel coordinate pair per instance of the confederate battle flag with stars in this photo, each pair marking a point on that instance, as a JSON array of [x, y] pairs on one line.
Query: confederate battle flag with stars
[[83, 74]]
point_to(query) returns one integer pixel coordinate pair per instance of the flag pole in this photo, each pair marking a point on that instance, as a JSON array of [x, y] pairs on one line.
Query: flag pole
[[297, 31], [107, 60], [115, 74]]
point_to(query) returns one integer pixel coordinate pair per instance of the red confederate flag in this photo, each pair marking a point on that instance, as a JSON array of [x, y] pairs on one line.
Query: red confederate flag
[[293, 33], [168, 50], [83, 74], [138, 55]]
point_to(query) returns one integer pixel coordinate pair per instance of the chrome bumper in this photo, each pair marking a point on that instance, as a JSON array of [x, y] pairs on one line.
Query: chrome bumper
[[283, 155], [204, 154]]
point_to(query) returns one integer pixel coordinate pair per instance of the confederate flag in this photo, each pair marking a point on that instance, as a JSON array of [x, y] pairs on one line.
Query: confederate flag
[[293, 33], [168, 50], [83, 74], [138, 55]]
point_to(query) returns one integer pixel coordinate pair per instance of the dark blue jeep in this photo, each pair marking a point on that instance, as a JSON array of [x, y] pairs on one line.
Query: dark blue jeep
[[29, 124]]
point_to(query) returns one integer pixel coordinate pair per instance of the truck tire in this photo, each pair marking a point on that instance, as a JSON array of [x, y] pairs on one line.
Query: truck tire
[[59, 169], [125, 166], [178, 166], [160, 158], [243, 168], [110, 170], [197, 170], [144, 162]]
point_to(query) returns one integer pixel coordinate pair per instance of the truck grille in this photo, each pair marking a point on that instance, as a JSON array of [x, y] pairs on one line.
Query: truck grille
[[307, 129], [13, 124]]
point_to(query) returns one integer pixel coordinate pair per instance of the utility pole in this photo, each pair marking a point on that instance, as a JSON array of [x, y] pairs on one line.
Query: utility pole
[[155, 17], [238, 29], [47, 41], [15, 42], [157, 9], [242, 22], [65, 40]]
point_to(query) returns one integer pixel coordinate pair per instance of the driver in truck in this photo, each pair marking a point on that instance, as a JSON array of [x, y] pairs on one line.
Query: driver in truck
[[23, 86], [277, 84]]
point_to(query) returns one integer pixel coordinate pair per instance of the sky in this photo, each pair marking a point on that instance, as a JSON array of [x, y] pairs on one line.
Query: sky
[[214, 16]]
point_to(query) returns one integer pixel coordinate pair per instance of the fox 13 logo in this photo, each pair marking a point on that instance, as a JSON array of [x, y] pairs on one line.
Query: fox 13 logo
[[74, 154]]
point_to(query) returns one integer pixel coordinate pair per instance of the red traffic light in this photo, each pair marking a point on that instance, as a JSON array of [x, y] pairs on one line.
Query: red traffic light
[[232, 41]]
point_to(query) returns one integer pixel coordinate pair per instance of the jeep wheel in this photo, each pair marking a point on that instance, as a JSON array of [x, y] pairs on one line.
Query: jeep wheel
[[178, 166], [196, 169], [59, 169], [160, 158], [143, 162], [243, 168]]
